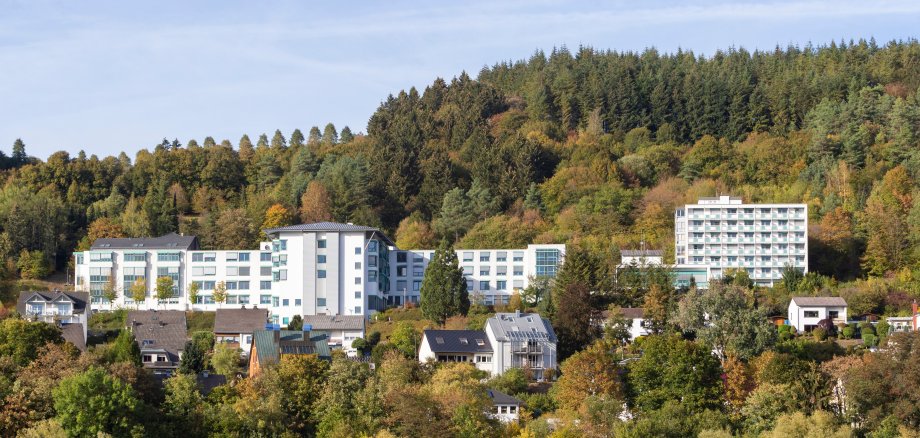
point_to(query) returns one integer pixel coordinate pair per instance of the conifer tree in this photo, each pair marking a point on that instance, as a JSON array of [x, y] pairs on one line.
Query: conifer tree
[[443, 292], [346, 136], [296, 139], [315, 136], [330, 135], [278, 142]]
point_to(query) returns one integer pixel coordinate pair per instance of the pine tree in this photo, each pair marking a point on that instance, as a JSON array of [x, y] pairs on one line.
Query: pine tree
[[19, 157], [330, 135], [346, 136], [533, 200], [278, 142], [246, 149], [315, 136], [209, 142], [263, 142], [443, 292], [296, 139]]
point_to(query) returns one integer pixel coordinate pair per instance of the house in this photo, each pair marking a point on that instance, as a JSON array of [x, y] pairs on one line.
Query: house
[[905, 323], [635, 321], [806, 312], [69, 310], [161, 336], [269, 346], [505, 408], [641, 257], [472, 346], [234, 327], [342, 329], [522, 340]]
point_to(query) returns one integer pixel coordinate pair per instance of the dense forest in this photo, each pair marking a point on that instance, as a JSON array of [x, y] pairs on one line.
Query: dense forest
[[591, 148]]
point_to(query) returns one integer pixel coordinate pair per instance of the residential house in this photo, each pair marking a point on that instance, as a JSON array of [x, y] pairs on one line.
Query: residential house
[[270, 346], [635, 321], [234, 327], [641, 257], [161, 336], [471, 346], [68, 310], [342, 329], [522, 340], [806, 312], [905, 323], [505, 408]]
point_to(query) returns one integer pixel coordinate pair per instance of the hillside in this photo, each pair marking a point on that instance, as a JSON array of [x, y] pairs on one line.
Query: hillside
[[592, 148]]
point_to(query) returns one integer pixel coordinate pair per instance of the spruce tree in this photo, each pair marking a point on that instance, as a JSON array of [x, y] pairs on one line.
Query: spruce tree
[[19, 156], [443, 292], [330, 135], [346, 136], [315, 135], [278, 141], [296, 139]]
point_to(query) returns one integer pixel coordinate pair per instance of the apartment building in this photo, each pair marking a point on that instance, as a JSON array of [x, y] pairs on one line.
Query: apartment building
[[321, 268], [724, 233]]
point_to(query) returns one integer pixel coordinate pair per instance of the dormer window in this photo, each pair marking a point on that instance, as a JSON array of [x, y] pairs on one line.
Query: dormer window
[[464, 341], [480, 342], [439, 340]]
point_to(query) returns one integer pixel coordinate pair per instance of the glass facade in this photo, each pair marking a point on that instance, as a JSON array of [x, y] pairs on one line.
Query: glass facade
[[547, 262]]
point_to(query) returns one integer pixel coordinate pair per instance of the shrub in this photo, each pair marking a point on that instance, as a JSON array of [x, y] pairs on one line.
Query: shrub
[[819, 333], [866, 327], [882, 330], [829, 328], [785, 332], [33, 265], [869, 340], [848, 331]]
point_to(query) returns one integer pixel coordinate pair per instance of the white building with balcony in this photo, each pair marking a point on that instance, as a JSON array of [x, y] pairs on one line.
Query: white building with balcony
[[321, 268], [68, 310], [522, 340], [724, 233]]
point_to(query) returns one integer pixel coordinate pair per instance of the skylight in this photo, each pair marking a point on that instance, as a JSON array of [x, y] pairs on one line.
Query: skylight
[[464, 341], [439, 340]]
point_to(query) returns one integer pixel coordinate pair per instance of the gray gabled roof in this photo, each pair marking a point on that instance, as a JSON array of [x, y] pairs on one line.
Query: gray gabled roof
[[500, 398], [79, 299], [457, 341], [641, 253], [819, 301], [521, 326], [334, 322], [240, 320], [166, 241], [159, 330], [330, 226], [73, 333]]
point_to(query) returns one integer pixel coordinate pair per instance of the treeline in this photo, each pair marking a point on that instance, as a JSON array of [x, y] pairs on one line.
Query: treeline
[[592, 148]]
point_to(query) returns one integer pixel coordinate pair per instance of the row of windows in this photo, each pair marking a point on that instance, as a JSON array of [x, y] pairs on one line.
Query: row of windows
[[500, 256], [486, 270]]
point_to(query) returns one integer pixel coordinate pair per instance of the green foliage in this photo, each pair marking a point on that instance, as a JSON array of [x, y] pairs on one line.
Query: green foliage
[[93, 402], [513, 381], [296, 323], [870, 340], [443, 291], [406, 339], [124, 349], [193, 358], [21, 340], [733, 326], [33, 265], [225, 360], [819, 333], [674, 369]]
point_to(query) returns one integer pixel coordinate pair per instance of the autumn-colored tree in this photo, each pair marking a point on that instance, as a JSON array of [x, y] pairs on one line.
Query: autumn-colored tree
[[139, 291], [414, 233], [103, 227], [193, 289], [739, 382], [277, 216], [657, 305], [592, 372], [220, 293], [315, 204], [164, 289]]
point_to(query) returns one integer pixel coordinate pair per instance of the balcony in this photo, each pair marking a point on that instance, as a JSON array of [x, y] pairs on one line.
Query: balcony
[[527, 349]]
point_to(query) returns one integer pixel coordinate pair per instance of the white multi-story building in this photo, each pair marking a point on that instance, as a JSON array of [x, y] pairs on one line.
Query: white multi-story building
[[309, 269], [724, 233]]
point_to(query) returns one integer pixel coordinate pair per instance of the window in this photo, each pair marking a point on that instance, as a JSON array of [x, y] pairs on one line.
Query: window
[[518, 271], [321, 302], [483, 270], [232, 256], [358, 295], [100, 257], [371, 247], [282, 274], [321, 273], [297, 301], [501, 285], [204, 270], [321, 258], [275, 301], [501, 271], [243, 285], [372, 261], [265, 271], [469, 285], [79, 259], [231, 285], [401, 285], [501, 256], [400, 271], [233, 271], [518, 256], [484, 256], [547, 262], [810, 313], [833, 314], [468, 270], [168, 257], [357, 280], [467, 256], [357, 310], [265, 285], [285, 302], [244, 271], [416, 286], [244, 257], [518, 284], [265, 256], [357, 265], [419, 258], [401, 257], [372, 276], [136, 257], [321, 243], [418, 272], [483, 285], [233, 299]]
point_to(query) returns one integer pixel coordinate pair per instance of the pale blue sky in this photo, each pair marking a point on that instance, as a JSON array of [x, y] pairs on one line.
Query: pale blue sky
[[107, 76]]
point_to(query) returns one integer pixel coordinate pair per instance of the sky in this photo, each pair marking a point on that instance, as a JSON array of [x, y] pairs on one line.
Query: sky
[[112, 76]]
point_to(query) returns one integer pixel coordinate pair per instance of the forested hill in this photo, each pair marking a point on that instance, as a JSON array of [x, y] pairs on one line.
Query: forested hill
[[592, 147]]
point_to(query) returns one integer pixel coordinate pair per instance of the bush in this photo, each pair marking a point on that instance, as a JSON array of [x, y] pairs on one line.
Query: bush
[[819, 333], [33, 265], [882, 330], [869, 340], [866, 327], [848, 332], [785, 332], [829, 328]]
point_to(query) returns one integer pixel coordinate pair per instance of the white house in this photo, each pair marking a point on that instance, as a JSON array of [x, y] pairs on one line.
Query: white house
[[470, 346], [641, 257], [522, 340], [635, 321], [69, 310], [806, 312], [342, 329], [505, 408]]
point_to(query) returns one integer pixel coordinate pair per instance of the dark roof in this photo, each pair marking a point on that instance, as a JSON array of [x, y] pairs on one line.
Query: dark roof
[[73, 333], [166, 241], [79, 299], [240, 320], [206, 384], [271, 344], [641, 253], [163, 330], [457, 341], [500, 398], [819, 301], [628, 313], [334, 322], [330, 226]]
